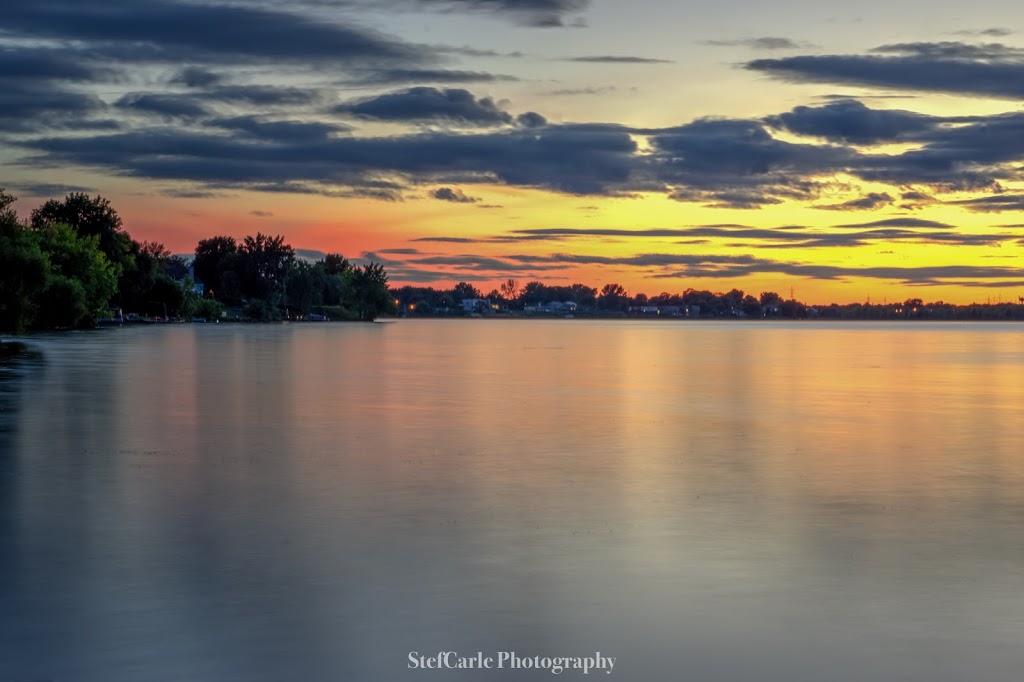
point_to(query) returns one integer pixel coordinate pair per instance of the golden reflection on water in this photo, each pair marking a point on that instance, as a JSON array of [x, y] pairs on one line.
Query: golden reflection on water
[[840, 497]]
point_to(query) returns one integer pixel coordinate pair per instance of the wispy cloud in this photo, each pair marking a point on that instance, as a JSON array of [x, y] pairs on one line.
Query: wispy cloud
[[762, 43], [992, 70], [617, 59], [453, 195]]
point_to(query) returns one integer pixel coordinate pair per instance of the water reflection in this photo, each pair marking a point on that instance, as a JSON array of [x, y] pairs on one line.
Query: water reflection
[[703, 501]]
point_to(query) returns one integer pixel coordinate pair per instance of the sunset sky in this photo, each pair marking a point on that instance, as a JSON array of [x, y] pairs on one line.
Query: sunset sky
[[841, 150]]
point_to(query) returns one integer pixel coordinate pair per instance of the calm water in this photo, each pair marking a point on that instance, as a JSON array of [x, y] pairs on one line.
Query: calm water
[[702, 501]]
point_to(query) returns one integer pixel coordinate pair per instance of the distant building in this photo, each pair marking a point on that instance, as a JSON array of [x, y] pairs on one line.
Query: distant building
[[481, 306], [563, 307], [644, 310], [197, 284]]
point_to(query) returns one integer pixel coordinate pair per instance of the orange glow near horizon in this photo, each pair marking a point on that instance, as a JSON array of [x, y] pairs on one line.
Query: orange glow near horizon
[[492, 228]]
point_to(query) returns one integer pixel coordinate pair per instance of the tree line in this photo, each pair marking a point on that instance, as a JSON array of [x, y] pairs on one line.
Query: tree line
[[72, 261], [262, 275], [612, 300]]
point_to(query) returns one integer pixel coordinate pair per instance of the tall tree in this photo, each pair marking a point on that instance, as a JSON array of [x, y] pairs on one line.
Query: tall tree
[[147, 287], [90, 216], [371, 294], [24, 269], [305, 286], [612, 297], [464, 290], [336, 264], [81, 281], [583, 295], [509, 290], [265, 263], [210, 260], [533, 293]]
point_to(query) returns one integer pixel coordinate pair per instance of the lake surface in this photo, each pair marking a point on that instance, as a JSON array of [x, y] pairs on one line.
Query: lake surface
[[702, 501]]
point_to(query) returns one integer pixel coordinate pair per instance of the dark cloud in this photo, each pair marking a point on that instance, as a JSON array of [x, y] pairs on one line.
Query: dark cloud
[[764, 43], [189, 193], [388, 77], [261, 214], [165, 105], [840, 96], [175, 31], [969, 157], [617, 59], [988, 32], [196, 104], [868, 202], [729, 266], [737, 163], [466, 263], [533, 13], [454, 195], [953, 50], [995, 203], [446, 240], [696, 265], [853, 122], [987, 70], [44, 64], [356, 188], [899, 222], [263, 95], [536, 13], [429, 104], [46, 189], [197, 77], [780, 237], [310, 255], [466, 51], [590, 90], [279, 131], [916, 196], [33, 107], [531, 119], [562, 232], [573, 159]]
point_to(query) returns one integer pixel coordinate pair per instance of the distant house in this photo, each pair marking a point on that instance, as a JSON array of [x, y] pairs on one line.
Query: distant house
[[560, 307], [644, 309], [197, 284], [480, 306]]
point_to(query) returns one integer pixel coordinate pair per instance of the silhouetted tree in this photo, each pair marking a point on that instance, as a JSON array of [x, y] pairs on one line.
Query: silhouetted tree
[[305, 286], [265, 261], [613, 297], [463, 290], [372, 298], [81, 279], [751, 307], [583, 296], [509, 290], [146, 287], [88, 217], [24, 269], [209, 263], [336, 264]]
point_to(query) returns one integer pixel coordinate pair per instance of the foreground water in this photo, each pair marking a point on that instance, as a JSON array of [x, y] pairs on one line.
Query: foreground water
[[701, 501]]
